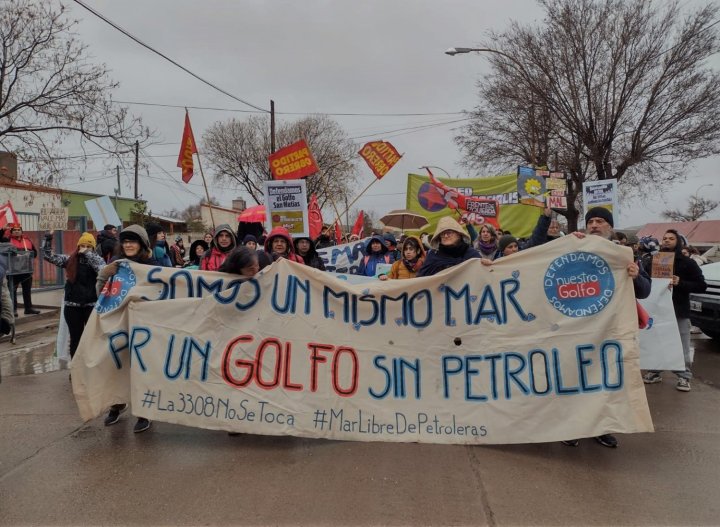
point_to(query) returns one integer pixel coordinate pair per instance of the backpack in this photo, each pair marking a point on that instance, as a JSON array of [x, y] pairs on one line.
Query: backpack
[[386, 256]]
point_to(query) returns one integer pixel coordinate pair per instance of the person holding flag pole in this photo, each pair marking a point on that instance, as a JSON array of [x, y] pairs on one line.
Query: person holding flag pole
[[188, 147]]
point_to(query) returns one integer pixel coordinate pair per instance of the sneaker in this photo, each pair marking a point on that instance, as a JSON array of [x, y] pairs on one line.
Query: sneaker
[[607, 440], [141, 425], [32, 311], [113, 415], [683, 384], [571, 442], [652, 377]]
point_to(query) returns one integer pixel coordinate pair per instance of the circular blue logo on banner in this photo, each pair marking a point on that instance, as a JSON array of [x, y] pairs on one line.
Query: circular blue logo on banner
[[579, 284], [116, 290]]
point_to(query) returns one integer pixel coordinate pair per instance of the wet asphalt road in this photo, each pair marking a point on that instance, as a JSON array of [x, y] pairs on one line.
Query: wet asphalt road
[[55, 470]]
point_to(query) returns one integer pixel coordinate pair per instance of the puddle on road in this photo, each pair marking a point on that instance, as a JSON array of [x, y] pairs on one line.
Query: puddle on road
[[24, 362]]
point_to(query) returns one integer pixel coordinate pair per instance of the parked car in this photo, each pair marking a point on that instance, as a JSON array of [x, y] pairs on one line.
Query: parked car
[[705, 307]]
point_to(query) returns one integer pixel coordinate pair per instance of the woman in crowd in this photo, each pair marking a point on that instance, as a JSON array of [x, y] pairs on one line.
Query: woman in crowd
[[241, 261], [81, 271], [486, 243], [23, 244], [197, 249], [305, 247], [134, 246], [413, 256], [376, 252], [159, 247], [279, 245], [507, 245], [222, 244], [250, 241], [450, 246], [208, 238], [177, 251]]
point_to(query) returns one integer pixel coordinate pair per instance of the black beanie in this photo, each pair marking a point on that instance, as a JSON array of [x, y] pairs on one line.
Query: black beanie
[[599, 212], [505, 241]]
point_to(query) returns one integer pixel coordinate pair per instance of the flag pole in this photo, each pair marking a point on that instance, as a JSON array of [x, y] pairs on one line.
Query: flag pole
[[202, 174], [360, 195]]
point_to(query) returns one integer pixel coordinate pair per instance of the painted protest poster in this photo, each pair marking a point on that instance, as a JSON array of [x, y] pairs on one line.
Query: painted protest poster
[[660, 346], [663, 264], [539, 347], [53, 219], [286, 206], [531, 186], [602, 193]]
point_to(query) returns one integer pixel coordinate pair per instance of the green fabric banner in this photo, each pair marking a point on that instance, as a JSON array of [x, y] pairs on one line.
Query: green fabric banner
[[425, 199]]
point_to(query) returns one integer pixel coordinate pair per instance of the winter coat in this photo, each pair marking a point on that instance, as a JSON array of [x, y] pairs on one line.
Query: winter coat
[[7, 319], [691, 281], [539, 235], [323, 242], [368, 265], [215, 256], [282, 232], [440, 257], [400, 271], [311, 258], [82, 291]]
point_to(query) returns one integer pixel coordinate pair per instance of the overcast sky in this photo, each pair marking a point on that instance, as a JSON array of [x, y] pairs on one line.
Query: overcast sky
[[375, 56]]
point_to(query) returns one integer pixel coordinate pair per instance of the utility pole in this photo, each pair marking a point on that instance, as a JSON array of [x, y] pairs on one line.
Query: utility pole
[[117, 190], [272, 126], [137, 163]]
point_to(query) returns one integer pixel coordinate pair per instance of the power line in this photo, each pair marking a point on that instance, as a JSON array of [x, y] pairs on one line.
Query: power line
[[150, 48]]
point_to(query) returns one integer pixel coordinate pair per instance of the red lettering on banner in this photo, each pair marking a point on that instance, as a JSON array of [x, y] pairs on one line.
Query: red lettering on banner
[[582, 290]]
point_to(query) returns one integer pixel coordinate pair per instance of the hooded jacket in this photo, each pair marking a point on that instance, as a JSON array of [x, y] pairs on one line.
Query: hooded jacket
[[311, 258], [214, 258], [368, 264], [283, 233], [400, 270], [441, 257]]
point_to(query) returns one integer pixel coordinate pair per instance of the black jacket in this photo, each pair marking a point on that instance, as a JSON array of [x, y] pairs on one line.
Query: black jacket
[[691, 281]]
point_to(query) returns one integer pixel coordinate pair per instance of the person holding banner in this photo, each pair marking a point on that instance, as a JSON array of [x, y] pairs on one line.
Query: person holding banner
[[305, 247], [279, 245], [81, 271], [134, 246], [686, 278], [241, 261], [23, 244], [223, 242], [413, 256], [450, 246], [599, 222]]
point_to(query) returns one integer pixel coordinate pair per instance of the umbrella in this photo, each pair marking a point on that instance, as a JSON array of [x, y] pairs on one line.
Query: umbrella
[[254, 214], [404, 219]]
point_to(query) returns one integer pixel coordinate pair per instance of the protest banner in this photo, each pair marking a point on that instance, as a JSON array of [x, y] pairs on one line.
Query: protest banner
[[424, 198], [601, 193], [286, 206], [541, 346], [660, 346], [102, 212], [343, 258], [663, 264], [52, 219], [380, 156], [295, 161]]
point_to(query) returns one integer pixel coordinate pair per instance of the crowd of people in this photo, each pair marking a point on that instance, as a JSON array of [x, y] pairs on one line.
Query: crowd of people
[[95, 261]]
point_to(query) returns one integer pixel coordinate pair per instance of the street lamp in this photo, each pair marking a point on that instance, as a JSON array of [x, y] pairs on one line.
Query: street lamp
[[458, 51]]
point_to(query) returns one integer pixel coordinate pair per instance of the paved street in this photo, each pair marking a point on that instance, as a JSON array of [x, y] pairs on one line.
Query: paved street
[[56, 470]]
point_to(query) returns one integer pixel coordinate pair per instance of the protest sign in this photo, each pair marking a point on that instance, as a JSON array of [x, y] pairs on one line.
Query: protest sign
[[380, 156], [663, 264], [531, 186], [286, 206], [102, 212], [343, 258], [52, 219], [660, 346], [293, 162], [541, 346], [424, 198], [601, 193]]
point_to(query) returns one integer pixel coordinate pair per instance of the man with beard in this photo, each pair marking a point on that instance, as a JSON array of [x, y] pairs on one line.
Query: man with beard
[[324, 240], [687, 278]]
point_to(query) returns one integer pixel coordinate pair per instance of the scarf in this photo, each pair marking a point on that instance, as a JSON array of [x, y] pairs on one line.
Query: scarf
[[487, 248], [411, 264]]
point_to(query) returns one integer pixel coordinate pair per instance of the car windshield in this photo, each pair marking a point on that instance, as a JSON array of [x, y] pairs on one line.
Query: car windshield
[[711, 271]]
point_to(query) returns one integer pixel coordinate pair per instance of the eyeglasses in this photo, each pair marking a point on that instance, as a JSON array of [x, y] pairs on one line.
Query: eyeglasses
[[446, 234]]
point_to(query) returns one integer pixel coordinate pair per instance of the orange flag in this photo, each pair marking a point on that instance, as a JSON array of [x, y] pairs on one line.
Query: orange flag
[[187, 149]]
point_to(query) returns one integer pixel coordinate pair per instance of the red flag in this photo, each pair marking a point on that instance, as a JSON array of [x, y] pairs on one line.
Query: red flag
[[7, 215], [187, 149], [338, 233], [359, 224], [380, 156], [314, 218]]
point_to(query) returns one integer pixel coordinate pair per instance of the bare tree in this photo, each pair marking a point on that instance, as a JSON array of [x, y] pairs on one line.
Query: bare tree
[[623, 84], [192, 214], [697, 208], [238, 153], [50, 91]]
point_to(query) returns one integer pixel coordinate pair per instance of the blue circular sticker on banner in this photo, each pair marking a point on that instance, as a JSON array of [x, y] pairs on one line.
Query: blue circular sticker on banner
[[116, 290], [579, 284]]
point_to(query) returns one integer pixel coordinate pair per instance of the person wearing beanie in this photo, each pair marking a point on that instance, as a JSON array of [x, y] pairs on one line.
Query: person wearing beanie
[[279, 244], [107, 242], [198, 248], [305, 248], [81, 271], [250, 241], [599, 222], [507, 245], [23, 244], [450, 246], [134, 246], [687, 278], [223, 243]]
